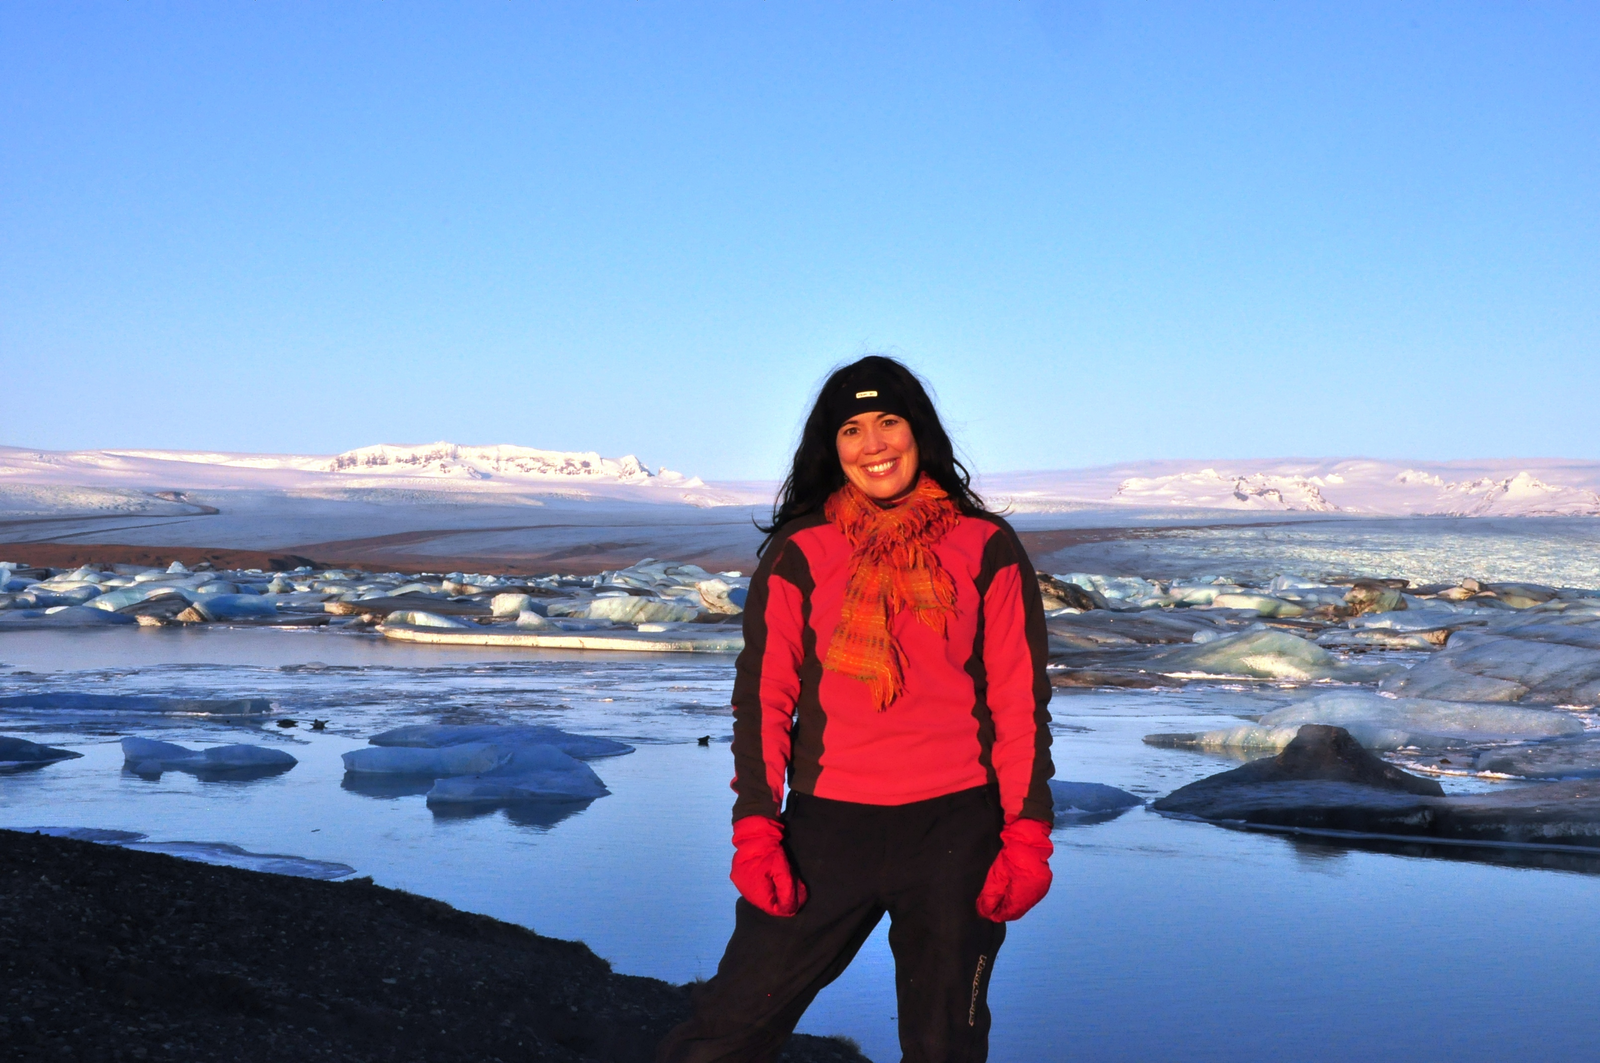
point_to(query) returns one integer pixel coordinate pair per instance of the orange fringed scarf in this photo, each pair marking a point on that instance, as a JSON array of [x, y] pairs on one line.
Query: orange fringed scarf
[[893, 568]]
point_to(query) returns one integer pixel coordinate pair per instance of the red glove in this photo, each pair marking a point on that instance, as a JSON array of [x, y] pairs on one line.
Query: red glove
[[1020, 876], [761, 868]]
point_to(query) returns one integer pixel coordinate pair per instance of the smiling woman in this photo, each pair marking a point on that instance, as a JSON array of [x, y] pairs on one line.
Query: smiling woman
[[878, 454], [893, 682]]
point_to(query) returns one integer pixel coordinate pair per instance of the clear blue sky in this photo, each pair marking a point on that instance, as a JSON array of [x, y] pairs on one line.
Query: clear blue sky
[[1105, 231]]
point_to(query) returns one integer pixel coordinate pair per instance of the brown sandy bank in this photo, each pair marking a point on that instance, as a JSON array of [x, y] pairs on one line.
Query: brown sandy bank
[[430, 552], [112, 954]]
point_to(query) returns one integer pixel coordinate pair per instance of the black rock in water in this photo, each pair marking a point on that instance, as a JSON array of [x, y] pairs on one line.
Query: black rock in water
[[1324, 781], [1324, 754], [19, 754]]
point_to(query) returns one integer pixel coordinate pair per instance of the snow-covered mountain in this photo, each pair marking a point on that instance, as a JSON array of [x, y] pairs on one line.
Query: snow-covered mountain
[[442, 467], [1499, 488]]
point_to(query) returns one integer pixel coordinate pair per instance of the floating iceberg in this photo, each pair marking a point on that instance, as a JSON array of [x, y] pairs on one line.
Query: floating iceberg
[[1386, 724], [60, 616], [627, 609], [18, 754], [471, 758], [233, 606], [1260, 604], [1262, 653], [532, 773], [421, 618], [144, 756], [721, 597], [509, 604], [1483, 667], [442, 735]]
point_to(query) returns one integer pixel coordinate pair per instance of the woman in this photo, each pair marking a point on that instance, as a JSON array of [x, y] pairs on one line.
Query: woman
[[893, 676]]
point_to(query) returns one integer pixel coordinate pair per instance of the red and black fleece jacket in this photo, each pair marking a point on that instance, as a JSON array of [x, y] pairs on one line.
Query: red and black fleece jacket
[[975, 710]]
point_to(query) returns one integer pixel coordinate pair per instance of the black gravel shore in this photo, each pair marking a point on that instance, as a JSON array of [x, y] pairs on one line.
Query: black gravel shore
[[112, 954]]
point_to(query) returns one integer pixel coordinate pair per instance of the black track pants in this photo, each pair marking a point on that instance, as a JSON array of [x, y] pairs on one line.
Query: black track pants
[[924, 865]]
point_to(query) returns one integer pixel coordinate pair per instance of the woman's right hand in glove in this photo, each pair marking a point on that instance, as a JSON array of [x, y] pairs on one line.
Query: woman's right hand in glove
[[761, 868]]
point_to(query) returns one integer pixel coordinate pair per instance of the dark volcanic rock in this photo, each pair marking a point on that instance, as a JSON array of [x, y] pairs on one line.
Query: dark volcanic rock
[[1324, 781], [1069, 594], [111, 954], [19, 754]]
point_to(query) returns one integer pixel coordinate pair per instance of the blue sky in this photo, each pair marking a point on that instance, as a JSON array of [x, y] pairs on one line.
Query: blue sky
[[1104, 231]]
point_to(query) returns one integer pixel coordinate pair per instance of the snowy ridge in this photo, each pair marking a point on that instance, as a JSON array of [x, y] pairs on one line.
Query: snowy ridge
[[483, 463], [444, 468], [1497, 488]]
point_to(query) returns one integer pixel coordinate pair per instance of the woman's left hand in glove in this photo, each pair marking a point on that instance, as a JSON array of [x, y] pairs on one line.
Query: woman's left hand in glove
[[1020, 876]]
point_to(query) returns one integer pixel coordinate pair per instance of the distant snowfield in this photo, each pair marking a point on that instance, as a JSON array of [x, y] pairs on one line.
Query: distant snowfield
[[1352, 486], [155, 481], [440, 472]]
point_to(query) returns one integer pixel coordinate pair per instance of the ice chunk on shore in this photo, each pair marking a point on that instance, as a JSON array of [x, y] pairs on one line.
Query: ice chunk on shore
[[440, 735], [19, 754], [472, 758], [509, 604], [632, 609], [139, 593], [421, 618], [224, 854], [233, 606], [145, 756], [720, 596], [1262, 653], [61, 616], [88, 834], [533, 773], [1260, 604], [1484, 667]]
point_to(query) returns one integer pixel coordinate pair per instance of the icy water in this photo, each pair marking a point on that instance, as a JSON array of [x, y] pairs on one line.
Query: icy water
[[1162, 940], [1561, 551]]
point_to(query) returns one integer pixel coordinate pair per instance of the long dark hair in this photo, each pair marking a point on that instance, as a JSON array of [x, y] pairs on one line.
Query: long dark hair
[[815, 472]]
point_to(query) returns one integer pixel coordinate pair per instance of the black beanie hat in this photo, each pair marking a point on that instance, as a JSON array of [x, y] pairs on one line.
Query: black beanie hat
[[863, 389]]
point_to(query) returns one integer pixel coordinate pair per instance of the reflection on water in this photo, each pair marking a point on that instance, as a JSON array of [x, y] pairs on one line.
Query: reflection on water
[[1161, 940]]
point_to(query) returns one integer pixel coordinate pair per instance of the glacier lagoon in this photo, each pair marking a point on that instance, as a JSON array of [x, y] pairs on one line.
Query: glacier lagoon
[[1162, 939]]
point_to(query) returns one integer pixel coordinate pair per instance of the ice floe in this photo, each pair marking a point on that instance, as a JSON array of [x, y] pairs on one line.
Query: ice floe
[[468, 758], [441, 735], [530, 773], [1262, 653], [224, 854], [480, 766], [144, 756]]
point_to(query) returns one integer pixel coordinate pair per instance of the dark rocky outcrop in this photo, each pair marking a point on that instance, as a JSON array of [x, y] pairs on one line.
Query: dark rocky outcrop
[[1324, 781], [1059, 594], [112, 954]]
